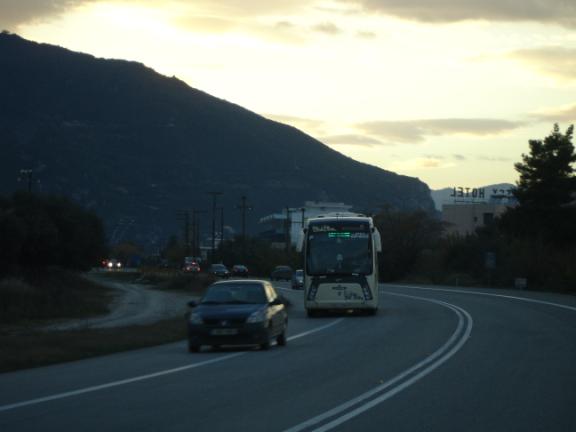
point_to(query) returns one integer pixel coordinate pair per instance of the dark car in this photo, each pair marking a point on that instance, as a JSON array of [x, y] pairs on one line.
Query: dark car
[[281, 272], [298, 279], [239, 312], [239, 270], [219, 270]]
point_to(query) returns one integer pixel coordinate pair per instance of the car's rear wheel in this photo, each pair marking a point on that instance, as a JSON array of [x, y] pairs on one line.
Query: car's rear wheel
[[312, 313], [193, 348], [281, 339]]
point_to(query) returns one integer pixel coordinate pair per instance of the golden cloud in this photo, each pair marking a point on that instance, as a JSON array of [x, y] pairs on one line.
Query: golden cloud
[[556, 62], [562, 12], [416, 131]]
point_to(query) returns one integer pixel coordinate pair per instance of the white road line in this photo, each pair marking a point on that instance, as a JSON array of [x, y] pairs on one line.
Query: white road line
[[524, 299], [149, 376], [401, 381]]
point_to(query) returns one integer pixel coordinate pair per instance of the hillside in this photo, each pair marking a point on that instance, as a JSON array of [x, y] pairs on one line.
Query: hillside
[[139, 147]]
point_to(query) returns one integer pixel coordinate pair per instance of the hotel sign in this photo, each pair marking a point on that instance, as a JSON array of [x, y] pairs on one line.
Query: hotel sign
[[466, 192], [472, 194]]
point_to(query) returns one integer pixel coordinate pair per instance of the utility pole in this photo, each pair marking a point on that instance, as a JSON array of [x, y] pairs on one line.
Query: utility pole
[[28, 174], [187, 232], [196, 232], [221, 243], [214, 196], [243, 207], [288, 228]]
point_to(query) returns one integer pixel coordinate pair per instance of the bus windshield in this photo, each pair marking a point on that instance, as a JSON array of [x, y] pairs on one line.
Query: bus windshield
[[339, 249]]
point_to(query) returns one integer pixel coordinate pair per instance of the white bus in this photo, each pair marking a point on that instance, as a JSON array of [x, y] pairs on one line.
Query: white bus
[[340, 263]]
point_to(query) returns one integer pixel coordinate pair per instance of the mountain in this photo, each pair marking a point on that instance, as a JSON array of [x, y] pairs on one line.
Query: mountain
[[446, 195], [139, 147]]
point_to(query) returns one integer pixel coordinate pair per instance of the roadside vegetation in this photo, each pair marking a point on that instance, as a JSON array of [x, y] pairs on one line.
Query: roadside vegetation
[[536, 240], [46, 243], [43, 348]]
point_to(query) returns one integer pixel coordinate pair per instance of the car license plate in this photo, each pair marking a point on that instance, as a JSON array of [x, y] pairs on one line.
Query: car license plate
[[224, 332]]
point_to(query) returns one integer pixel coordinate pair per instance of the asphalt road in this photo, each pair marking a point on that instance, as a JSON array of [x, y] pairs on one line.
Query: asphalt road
[[431, 360]]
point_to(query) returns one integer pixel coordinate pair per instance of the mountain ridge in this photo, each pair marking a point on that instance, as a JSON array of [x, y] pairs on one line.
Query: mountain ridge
[[134, 145]]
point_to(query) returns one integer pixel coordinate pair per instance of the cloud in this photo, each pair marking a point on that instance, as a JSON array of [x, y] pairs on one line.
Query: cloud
[[561, 12], [420, 163], [495, 159], [351, 139], [327, 28], [366, 34], [557, 62], [557, 115], [205, 24], [416, 131], [310, 125], [16, 12]]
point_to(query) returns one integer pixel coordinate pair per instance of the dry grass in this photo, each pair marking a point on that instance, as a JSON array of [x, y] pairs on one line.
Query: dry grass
[[39, 349], [50, 294]]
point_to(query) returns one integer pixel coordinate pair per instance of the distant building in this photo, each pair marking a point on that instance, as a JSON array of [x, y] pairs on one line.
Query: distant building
[[464, 219], [474, 208], [278, 226]]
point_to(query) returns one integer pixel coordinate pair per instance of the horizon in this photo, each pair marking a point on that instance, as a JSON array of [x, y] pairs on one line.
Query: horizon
[[448, 95]]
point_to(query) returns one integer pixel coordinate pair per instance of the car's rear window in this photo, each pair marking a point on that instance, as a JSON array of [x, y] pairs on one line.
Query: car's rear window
[[235, 294]]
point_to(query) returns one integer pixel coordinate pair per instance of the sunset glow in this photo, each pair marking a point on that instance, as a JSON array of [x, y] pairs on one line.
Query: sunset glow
[[450, 95]]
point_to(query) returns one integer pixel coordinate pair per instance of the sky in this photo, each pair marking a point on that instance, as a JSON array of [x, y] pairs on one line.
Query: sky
[[448, 91]]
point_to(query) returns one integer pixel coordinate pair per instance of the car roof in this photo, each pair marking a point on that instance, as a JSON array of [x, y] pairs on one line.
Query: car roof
[[242, 282]]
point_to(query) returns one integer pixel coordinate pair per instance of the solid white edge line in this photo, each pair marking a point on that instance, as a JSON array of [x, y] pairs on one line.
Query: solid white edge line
[[149, 376], [444, 356], [457, 291]]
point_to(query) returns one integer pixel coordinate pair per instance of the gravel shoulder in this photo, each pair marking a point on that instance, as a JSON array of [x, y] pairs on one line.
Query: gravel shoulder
[[133, 304]]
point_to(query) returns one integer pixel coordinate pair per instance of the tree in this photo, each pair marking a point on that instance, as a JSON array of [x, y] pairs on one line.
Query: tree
[[546, 187], [43, 231], [404, 235], [546, 174]]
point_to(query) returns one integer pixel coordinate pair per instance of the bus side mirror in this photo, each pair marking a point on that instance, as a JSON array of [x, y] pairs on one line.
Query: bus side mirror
[[377, 240]]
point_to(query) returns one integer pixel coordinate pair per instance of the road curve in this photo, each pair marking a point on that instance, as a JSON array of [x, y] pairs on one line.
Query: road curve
[[433, 359]]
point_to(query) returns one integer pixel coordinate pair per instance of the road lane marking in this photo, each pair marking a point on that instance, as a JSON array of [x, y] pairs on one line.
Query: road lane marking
[[524, 299], [149, 376], [379, 394]]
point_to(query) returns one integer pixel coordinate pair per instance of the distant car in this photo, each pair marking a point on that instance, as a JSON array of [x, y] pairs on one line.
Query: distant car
[[239, 270], [281, 272], [298, 279], [219, 270], [238, 312], [191, 267], [112, 264]]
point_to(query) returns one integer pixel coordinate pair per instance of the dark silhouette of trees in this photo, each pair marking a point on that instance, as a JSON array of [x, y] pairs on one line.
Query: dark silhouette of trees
[[405, 236], [546, 174], [545, 189], [40, 231]]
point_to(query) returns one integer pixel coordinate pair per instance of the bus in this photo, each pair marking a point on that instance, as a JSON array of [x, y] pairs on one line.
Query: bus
[[340, 263]]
